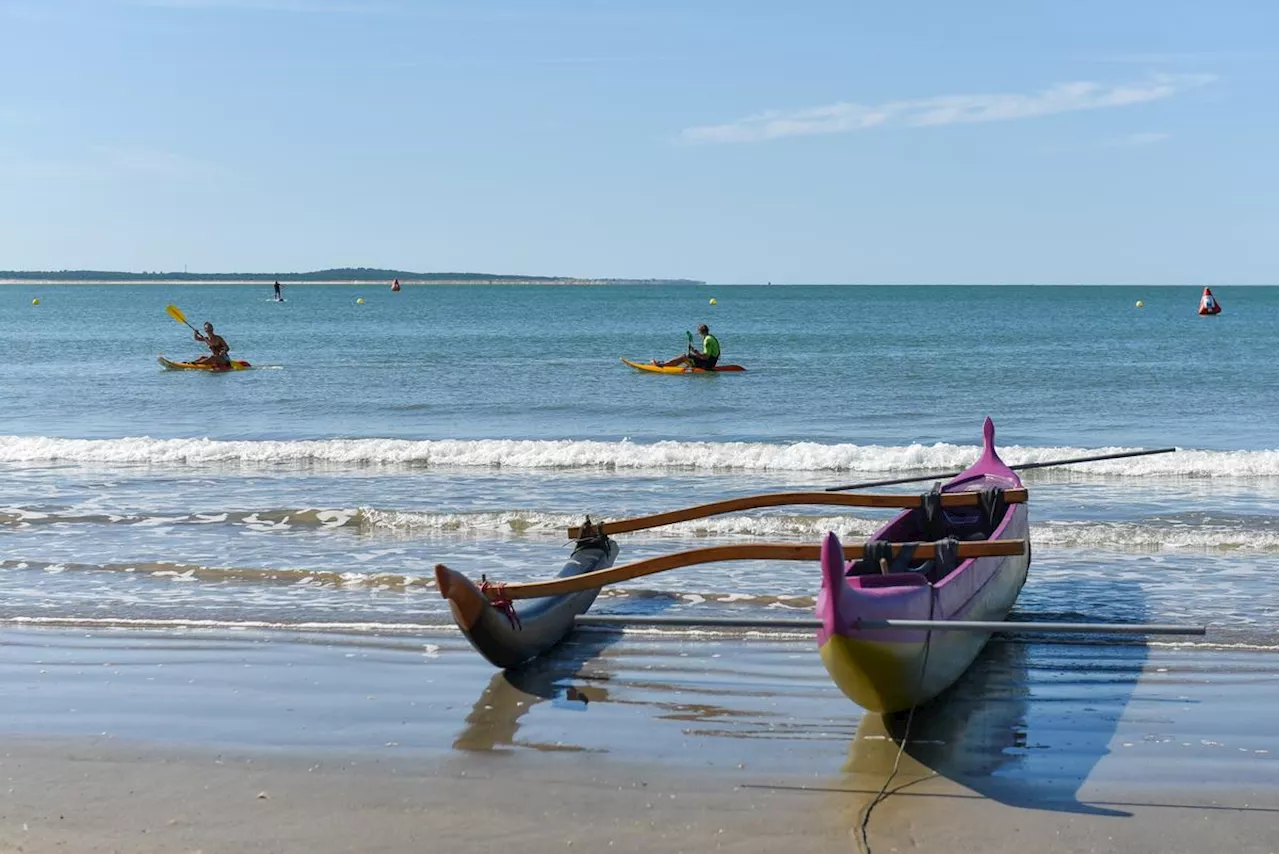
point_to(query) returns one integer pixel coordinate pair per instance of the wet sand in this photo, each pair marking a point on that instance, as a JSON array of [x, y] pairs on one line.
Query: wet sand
[[120, 740]]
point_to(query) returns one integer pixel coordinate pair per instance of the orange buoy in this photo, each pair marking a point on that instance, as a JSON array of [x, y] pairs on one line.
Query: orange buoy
[[1208, 305]]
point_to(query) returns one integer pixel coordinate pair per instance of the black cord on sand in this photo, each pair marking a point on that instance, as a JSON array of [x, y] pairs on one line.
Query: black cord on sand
[[864, 845]]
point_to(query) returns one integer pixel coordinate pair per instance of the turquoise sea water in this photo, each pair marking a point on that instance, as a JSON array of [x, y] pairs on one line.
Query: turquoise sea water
[[471, 424]]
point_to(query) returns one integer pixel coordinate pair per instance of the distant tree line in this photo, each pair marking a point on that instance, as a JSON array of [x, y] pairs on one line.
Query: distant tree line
[[344, 274], [339, 274]]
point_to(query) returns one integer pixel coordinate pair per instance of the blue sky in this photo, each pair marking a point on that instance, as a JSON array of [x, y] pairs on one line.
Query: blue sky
[[1092, 142]]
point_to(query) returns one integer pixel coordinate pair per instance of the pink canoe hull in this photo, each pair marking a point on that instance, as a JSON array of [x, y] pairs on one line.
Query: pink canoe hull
[[893, 670]]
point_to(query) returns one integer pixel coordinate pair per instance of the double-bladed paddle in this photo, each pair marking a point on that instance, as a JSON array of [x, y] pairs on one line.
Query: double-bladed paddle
[[177, 315]]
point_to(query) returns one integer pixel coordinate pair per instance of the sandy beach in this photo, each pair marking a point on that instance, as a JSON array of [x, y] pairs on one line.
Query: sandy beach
[[140, 741]]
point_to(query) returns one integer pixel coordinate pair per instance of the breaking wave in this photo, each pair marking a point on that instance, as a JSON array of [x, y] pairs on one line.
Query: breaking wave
[[620, 455]]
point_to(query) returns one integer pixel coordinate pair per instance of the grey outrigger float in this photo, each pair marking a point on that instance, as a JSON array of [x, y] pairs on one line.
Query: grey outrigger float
[[510, 634]]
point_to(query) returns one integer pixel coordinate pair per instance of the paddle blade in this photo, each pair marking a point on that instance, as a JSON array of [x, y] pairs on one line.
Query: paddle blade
[[176, 314]]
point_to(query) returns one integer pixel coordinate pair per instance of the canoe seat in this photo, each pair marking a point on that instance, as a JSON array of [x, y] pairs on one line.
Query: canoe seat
[[926, 564]]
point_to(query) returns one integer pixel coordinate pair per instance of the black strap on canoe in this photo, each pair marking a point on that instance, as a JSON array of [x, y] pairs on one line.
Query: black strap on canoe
[[932, 522], [946, 556], [993, 506], [874, 551]]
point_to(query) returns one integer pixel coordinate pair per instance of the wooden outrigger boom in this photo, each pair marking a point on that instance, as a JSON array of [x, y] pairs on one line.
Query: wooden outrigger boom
[[715, 554], [779, 499]]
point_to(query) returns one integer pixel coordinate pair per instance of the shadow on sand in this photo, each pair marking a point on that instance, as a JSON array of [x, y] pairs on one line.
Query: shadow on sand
[[1025, 726]]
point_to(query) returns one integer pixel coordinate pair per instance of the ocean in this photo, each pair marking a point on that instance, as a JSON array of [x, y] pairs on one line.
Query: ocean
[[471, 425]]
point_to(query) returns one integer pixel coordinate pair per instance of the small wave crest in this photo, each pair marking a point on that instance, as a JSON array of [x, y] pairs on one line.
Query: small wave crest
[[257, 519], [1242, 533], [183, 572], [621, 455]]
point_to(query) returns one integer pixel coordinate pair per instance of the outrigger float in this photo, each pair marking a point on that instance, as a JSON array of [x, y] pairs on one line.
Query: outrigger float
[[899, 618]]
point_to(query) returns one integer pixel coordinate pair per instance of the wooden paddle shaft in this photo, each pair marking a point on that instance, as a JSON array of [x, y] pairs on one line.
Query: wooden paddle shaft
[[714, 554], [1020, 467], [775, 499]]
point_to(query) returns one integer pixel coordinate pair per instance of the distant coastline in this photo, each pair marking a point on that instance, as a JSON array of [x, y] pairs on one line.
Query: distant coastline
[[336, 276]]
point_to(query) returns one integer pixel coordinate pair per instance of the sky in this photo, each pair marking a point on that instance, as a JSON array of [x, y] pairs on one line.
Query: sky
[[816, 142]]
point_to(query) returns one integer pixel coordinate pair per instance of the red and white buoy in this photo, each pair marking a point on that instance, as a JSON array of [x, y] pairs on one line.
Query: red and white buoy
[[1209, 305]]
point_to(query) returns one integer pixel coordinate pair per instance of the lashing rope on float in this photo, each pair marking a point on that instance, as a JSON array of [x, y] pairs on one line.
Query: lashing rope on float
[[498, 598]]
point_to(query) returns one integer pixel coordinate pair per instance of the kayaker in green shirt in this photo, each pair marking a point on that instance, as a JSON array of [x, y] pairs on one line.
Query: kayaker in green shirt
[[705, 358]]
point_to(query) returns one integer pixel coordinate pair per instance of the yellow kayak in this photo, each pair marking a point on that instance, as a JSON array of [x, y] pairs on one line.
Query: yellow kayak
[[681, 369], [236, 365]]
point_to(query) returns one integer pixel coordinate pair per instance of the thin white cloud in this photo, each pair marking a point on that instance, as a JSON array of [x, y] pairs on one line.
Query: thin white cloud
[[106, 163], [1136, 140], [1168, 58], [135, 160], [946, 109], [260, 5], [1127, 141]]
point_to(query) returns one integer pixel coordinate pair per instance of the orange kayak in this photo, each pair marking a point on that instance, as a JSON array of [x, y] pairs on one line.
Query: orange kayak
[[236, 365], [681, 369]]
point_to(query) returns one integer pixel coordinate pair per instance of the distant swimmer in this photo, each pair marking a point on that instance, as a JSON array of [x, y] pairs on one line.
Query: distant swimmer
[[279, 293], [705, 358], [218, 349], [395, 286]]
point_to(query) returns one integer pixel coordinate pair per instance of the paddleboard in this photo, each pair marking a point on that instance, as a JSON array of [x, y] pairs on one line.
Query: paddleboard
[[681, 369], [236, 365]]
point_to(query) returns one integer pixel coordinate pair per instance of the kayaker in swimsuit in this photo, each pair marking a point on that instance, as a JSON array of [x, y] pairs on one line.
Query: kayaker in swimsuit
[[705, 358], [218, 349]]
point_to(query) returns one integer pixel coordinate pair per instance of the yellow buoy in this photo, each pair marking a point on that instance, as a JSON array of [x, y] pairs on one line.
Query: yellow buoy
[[712, 301], [1138, 303], [359, 300], [35, 301]]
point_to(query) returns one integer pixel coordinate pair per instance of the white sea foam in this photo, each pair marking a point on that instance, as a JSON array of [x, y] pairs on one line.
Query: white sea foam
[[1245, 533], [626, 455], [1154, 535], [557, 524]]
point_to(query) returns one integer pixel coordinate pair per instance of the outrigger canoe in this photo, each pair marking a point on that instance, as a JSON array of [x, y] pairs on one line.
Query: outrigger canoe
[[681, 369], [510, 624], [236, 365], [900, 617], [890, 670]]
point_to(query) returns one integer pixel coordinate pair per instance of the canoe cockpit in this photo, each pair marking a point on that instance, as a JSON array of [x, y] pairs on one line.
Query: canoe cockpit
[[926, 525]]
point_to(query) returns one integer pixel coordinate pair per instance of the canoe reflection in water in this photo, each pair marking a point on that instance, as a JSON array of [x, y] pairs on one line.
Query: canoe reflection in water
[[495, 717], [1014, 729]]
